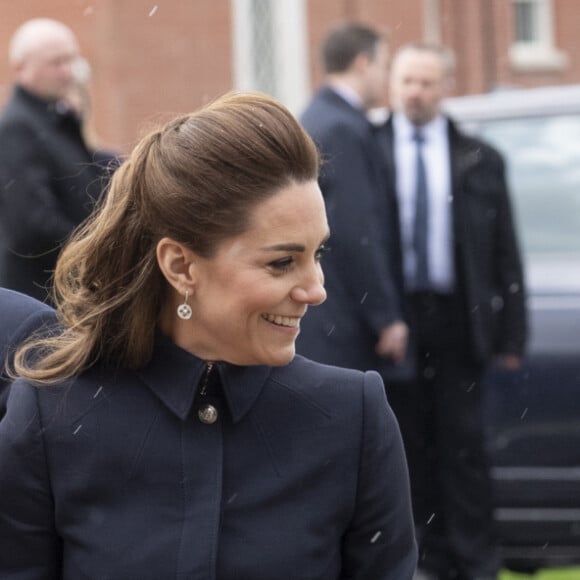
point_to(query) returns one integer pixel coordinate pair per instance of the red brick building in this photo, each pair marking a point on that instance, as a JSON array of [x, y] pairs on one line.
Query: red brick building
[[158, 57]]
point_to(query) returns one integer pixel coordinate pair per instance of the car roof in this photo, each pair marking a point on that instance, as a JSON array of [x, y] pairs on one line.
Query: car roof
[[510, 103]]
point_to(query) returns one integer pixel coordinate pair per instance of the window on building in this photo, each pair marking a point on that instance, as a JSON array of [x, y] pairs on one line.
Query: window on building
[[264, 48], [270, 49], [533, 45], [526, 18]]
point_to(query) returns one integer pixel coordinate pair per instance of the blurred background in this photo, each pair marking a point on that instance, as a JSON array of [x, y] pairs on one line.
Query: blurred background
[[151, 58], [148, 60]]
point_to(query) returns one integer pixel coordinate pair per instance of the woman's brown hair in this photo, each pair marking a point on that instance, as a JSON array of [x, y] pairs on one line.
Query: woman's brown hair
[[194, 180]]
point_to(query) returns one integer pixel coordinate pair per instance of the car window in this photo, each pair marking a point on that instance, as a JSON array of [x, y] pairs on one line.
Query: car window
[[543, 170]]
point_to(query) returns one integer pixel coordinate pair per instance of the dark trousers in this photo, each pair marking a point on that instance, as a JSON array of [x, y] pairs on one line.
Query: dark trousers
[[441, 419]]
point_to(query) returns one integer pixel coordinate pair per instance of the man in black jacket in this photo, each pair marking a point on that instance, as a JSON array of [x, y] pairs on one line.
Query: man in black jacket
[[360, 325], [464, 296], [47, 179]]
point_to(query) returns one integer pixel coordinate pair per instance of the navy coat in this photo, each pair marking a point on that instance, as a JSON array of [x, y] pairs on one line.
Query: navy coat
[[20, 315], [115, 477], [363, 286]]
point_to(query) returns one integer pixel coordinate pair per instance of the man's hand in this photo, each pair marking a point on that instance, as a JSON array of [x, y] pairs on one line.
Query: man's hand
[[393, 342], [510, 362]]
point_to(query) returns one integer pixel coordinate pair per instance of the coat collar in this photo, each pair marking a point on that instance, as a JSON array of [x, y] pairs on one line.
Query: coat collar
[[174, 375], [465, 152], [54, 113], [58, 107], [348, 94], [328, 94], [23, 94]]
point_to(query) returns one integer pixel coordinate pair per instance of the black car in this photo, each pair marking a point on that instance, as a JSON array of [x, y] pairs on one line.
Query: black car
[[534, 414]]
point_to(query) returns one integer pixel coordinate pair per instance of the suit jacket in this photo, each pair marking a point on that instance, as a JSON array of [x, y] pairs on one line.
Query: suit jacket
[[488, 266], [302, 476], [48, 183], [20, 315], [363, 290]]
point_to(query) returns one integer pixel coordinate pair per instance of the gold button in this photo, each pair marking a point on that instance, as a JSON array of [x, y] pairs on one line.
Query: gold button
[[208, 414]]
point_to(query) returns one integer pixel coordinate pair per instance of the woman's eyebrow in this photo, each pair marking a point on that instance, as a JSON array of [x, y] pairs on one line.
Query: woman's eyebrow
[[285, 248], [292, 247]]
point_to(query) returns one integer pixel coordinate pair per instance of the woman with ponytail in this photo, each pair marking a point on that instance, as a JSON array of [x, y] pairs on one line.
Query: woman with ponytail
[[168, 430]]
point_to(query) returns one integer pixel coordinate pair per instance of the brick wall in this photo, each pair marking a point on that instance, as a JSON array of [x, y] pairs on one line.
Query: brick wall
[[157, 57], [150, 59]]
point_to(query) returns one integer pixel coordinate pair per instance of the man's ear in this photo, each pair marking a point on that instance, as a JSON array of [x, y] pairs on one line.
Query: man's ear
[[361, 63], [177, 262]]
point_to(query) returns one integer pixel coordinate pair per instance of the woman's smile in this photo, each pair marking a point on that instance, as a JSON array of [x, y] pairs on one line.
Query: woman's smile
[[284, 321]]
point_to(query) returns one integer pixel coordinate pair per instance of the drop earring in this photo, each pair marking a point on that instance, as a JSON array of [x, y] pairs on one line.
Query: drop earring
[[184, 310]]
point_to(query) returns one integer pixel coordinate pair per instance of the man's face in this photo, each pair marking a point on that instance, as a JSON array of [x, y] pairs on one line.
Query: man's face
[[418, 83], [377, 76], [46, 70]]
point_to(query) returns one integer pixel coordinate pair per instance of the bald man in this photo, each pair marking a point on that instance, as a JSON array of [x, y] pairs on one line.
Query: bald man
[[48, 182]]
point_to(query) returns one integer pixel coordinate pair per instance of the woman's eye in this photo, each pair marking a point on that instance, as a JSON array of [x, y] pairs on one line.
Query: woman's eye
[[282, 265], [321, 251]]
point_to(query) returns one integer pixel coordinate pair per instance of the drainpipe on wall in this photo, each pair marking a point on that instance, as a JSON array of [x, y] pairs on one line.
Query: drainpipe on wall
[[432, 21], [488, 47]]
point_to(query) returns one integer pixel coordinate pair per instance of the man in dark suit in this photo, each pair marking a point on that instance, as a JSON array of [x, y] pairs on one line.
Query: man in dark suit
[[20, 315], [47, 179], [360, 325], [464, 297]]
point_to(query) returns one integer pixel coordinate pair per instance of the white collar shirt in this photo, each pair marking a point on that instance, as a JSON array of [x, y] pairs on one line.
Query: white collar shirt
[[436, 158], [348, 94]]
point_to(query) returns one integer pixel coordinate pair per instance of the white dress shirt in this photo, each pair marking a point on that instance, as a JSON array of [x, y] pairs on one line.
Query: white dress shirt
[[439, 194], [347, 93]]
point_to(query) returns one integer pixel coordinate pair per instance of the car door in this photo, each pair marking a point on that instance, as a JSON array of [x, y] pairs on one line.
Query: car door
[[534, 414]]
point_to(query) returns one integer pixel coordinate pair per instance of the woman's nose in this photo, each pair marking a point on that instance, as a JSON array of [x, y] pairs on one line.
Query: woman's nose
[[311, 291], [317, 293]]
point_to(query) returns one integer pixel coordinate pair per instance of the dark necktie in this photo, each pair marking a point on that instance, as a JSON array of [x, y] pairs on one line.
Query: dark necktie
[[420, 230]]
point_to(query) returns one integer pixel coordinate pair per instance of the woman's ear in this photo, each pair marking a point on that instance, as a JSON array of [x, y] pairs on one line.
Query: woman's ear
[[177, 262]]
